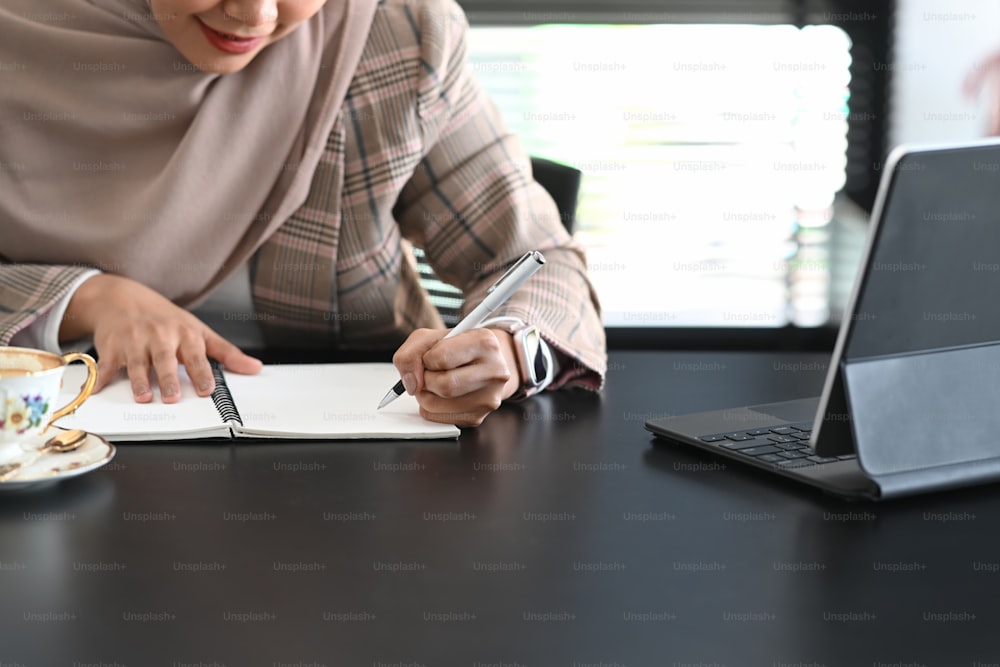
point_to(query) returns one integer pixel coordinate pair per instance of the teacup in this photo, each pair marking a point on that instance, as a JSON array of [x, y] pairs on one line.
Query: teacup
[[30, 381]]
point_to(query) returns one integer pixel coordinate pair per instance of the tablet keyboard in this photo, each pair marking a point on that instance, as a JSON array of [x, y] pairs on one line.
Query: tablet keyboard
[[785, 445]]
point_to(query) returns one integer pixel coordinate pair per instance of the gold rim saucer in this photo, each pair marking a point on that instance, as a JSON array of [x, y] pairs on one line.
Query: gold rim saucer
[[53, 467]]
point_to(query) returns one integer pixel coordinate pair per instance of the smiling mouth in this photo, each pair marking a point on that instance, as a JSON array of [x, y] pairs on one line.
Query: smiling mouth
[[230, 36], [227, 42]]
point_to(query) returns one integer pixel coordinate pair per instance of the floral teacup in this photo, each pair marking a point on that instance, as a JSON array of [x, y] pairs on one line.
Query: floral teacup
[[30, 381]]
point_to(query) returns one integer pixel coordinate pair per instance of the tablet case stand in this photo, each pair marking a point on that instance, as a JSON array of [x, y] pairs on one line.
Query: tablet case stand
[[928, 420]]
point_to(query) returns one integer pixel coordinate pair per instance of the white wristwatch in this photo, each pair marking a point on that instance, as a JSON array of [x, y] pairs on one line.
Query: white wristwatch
[[534, 357]]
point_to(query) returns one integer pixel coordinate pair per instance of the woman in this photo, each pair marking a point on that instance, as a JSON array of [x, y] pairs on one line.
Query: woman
[[156, 154]]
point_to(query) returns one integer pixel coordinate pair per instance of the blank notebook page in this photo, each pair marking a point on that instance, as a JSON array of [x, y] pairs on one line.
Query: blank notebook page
[[114, 412], [328, 400]]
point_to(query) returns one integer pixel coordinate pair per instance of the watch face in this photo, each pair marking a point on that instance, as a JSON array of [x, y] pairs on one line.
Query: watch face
[[536, 364]]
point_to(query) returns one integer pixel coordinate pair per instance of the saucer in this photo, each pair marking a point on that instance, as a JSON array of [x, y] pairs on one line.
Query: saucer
[[53, 467]]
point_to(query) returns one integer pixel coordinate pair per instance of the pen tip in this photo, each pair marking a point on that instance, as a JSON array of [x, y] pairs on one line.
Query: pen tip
[[386, 400]]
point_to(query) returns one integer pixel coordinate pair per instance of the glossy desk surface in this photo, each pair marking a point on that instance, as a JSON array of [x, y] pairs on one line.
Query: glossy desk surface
[[556, 534]]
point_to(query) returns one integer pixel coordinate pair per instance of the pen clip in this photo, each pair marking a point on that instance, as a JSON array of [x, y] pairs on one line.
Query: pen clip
[[528, 255]]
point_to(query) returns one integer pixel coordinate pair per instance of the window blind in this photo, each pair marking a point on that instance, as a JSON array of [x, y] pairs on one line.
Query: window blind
[[868, 24]]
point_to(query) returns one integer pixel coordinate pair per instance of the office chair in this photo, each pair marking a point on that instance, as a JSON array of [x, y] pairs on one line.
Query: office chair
[[561, 181]]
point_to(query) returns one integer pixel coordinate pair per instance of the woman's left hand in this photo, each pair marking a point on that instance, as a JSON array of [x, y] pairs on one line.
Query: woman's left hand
[[458, 380]]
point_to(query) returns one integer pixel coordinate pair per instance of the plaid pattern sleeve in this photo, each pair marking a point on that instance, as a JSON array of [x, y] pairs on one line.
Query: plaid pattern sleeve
[[28, 292], [474, 208]]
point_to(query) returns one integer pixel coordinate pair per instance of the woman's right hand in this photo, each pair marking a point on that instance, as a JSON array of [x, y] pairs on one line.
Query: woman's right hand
[[136, 329]]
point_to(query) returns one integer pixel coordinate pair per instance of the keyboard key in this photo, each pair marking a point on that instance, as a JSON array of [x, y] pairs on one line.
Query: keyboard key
[[791, 446], [794, 455], [759, 431], [847, 457], [770, 458], [712, 438], [784, 430], [741, 445], [759, 451], [738, 437], [781, 438], [822, 459], [802, 436]]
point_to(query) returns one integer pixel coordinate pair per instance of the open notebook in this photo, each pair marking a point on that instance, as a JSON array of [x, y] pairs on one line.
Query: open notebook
[[304, 401]]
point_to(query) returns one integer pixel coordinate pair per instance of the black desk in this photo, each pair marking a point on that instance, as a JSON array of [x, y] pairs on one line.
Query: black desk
[[553, 535]]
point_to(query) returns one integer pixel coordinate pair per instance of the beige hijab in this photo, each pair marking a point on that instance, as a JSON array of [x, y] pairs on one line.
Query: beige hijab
[[115, 152]]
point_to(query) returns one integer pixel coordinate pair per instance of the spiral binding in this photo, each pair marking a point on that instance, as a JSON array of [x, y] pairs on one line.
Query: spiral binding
[[222, 398]]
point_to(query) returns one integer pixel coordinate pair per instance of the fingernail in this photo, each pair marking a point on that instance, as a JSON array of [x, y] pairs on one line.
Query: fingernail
[[141, 390], [410, 382], [204, 386], [169, 390]]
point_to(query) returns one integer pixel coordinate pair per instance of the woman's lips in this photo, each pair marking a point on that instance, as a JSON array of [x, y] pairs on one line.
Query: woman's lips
[[229, 43]]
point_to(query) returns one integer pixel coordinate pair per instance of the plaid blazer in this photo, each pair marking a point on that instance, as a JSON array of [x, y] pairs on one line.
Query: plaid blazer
[[418, 155]]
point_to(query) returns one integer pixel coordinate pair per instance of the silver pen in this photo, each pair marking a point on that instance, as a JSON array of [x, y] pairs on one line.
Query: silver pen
[[496, 295]]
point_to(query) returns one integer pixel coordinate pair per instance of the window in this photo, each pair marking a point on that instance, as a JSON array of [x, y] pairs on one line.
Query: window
[[712, 155]]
